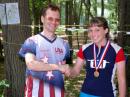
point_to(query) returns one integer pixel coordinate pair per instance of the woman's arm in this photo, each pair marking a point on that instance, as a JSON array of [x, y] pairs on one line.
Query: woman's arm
[[121, 78], [74, 71]]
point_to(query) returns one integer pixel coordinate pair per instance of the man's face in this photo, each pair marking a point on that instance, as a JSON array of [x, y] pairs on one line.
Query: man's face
[[51, 20]]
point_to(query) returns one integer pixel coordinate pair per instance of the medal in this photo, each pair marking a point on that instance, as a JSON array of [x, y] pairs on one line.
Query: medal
[[98, 64], [96, 74]]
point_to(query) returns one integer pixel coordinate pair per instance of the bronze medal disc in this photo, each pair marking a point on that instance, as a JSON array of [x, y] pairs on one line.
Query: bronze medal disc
[[96, 73]]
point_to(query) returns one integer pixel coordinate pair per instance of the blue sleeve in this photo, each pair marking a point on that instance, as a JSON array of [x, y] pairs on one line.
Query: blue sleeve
[[37, 74], [28, 46]]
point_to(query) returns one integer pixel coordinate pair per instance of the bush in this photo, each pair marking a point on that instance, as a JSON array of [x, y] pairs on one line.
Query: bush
[[3, 84]]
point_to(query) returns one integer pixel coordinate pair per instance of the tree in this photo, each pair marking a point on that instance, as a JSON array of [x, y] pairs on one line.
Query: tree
[[124, 26], [69, 20], [13, 37], [35, 8], [102, 7]]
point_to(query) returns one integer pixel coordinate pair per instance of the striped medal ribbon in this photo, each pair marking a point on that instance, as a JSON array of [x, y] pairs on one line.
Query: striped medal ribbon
[[96, 72]]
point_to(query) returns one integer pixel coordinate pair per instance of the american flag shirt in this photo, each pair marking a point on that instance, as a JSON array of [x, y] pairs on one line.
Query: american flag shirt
[[50, 83]]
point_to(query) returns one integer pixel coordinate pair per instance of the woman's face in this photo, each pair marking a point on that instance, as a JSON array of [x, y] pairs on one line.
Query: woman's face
[[97, 34]]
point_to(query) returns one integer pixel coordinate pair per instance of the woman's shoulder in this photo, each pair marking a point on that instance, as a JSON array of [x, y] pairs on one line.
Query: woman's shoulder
[[115, 46], [86, 45]]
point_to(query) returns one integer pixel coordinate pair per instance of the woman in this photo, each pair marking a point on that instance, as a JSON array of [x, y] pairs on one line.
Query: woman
[[103, 59]]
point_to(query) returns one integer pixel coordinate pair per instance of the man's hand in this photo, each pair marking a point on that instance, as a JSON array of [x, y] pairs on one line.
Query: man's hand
[[65, 69]]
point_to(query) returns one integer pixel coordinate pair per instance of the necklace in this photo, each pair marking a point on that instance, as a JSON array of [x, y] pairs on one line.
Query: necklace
[[97, 65]]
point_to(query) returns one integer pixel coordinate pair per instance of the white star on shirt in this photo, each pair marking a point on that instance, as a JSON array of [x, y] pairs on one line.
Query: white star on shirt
[[49, 75], [59, 63], [45, 59]]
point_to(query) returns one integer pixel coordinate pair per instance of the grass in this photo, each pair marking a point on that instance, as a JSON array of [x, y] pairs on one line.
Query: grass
[[73, 85]]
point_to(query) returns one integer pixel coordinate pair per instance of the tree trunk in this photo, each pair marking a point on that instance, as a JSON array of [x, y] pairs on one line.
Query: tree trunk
[[124, 26], [13, 37], [87, 16], [102, 7], [69, 20]]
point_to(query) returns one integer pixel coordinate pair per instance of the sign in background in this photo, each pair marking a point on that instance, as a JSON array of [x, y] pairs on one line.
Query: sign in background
[[9, 13]]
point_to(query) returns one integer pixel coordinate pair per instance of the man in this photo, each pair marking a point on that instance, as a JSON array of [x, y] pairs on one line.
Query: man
[[45, 56]]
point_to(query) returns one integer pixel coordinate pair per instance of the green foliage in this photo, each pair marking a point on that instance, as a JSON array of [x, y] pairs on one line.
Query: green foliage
[[3, 84], [80, 14], [129, 89], [60, 30], [127, 49], [73, 85]]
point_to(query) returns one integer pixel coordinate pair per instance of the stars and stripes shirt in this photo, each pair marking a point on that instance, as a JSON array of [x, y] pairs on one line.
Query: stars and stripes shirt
[[45, 84]]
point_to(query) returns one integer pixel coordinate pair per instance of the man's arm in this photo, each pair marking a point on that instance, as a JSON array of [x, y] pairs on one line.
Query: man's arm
[[36, 65]]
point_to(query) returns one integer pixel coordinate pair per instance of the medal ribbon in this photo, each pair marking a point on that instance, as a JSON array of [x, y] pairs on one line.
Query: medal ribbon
[[102, 56]]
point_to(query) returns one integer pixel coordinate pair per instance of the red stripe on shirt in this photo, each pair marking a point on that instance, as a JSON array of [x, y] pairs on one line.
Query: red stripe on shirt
[[62, 93], [25, 89], [52, 91], [41, 89], [29, 87]]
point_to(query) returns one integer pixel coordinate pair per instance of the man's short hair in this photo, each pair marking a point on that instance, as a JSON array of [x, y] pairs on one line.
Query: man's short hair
[[53, 7]]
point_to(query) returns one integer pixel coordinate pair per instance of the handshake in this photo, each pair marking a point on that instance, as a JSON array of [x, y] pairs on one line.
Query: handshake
[[65, 69]]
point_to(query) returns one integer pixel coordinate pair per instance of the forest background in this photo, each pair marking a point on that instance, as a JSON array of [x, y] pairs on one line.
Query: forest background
[[75, 15]]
